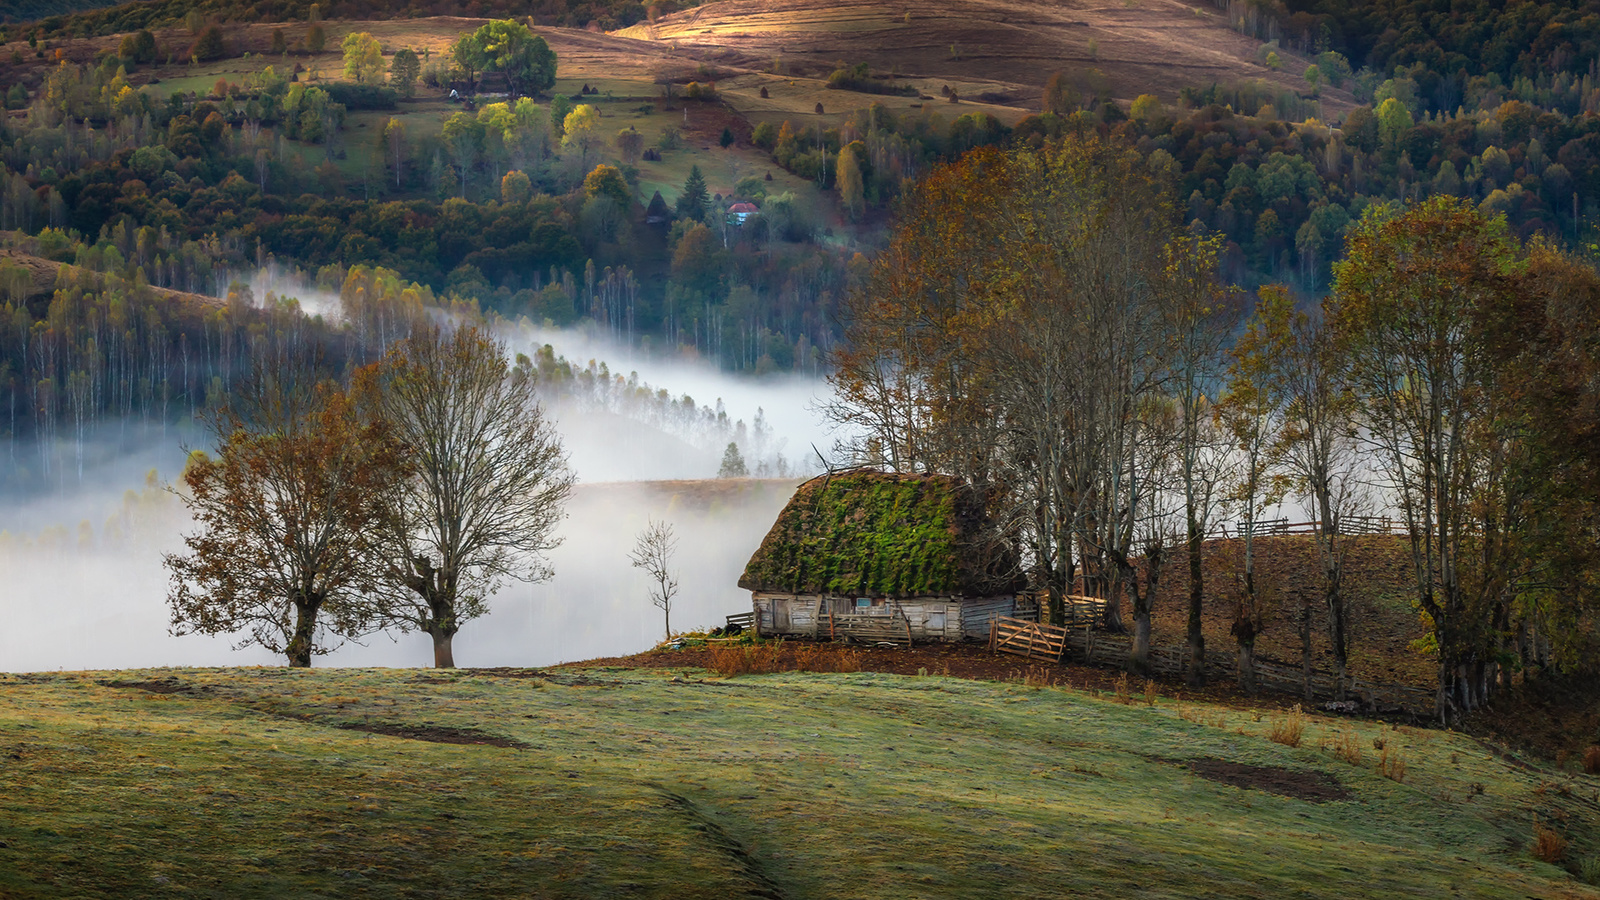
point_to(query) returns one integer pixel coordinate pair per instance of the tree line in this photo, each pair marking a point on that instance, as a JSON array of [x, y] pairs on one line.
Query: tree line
[[1071, 347]]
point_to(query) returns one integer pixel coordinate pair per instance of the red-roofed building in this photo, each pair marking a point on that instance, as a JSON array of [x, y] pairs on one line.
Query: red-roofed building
[[740, 211]]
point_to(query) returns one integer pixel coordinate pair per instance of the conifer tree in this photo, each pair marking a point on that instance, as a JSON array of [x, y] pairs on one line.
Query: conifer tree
[[692, 202]]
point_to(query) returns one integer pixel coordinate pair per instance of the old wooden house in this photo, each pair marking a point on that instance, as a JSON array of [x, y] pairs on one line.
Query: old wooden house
[[880, 556]]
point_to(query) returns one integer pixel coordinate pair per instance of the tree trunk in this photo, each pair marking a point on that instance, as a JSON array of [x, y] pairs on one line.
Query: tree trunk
[[1056, 607], [305, 632], [1338, 630], [1139, 661], [1305, 648], [1247, 666], [443, 655], [1196, 673]]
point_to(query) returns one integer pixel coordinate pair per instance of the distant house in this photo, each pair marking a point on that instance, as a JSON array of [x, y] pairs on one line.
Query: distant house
[[869, 552], [739, 212]]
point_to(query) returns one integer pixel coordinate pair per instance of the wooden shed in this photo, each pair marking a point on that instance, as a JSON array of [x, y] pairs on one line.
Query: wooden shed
[[882, 556]]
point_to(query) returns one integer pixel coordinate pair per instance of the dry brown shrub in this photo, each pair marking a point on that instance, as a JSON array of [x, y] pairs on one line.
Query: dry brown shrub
[[1591, 760], [1289, 728], [1392, 764], [1124, 693], [1548, 846], [763, 659], [1150, 694], [1347, 748]]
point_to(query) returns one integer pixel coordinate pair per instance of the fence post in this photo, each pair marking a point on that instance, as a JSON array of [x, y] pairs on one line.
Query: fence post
[[994, 633]]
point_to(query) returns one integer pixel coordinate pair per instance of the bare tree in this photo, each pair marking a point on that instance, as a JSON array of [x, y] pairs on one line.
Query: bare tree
[[287, 512], [489, 481], [652, 552], [1199, 322]]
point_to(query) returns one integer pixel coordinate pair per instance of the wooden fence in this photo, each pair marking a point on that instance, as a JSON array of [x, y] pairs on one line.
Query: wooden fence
[[1350, 525], [892, 629], [1047, 643], [745, 620]]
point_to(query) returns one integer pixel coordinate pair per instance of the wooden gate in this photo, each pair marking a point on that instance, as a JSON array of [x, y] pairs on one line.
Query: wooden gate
[[1045, 643]]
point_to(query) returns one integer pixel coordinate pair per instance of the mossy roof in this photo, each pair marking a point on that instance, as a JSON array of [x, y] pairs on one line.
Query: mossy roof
[[875, 534]]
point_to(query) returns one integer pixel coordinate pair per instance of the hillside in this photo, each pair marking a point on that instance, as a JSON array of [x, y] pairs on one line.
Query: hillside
[[999, 52], [600, 783]]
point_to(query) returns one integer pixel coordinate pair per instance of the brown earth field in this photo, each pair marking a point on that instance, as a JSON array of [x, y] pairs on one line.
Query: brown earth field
[[997, 54]]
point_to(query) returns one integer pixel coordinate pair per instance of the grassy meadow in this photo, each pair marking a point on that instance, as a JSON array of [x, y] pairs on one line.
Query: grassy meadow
[[663, 783]]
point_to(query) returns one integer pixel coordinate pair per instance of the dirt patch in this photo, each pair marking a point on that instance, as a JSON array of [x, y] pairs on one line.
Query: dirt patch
[[154, 687], [507, 672], [1314, 787], [436, 734]]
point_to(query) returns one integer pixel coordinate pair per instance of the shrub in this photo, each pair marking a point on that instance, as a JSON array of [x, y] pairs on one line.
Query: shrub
[[1124, 693], [362, 96], [1589, 871], [1289, 728], [1591, 760], [1548, 846], [1347, 748], [1391, 764]]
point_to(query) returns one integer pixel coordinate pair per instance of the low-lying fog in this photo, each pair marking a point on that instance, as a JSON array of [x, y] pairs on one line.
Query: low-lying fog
[[82, 585]]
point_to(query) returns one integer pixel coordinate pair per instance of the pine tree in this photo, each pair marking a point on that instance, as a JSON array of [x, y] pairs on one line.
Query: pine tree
[[733, 463], [692, 202]]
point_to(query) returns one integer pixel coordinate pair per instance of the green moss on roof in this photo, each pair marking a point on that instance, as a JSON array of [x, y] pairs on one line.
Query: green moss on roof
[[871, 534]]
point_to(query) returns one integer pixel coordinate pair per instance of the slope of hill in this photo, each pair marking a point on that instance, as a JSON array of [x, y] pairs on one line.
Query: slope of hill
[[1004, 48], [599, 783]]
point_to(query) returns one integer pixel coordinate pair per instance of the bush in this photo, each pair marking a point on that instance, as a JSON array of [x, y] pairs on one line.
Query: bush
[[362, 96], [1289, 728], [1391, 764], [1548, 846], [1591, 760]]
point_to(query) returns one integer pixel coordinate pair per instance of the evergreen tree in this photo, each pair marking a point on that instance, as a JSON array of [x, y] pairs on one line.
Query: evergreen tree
[[692, 202], [733, 463]]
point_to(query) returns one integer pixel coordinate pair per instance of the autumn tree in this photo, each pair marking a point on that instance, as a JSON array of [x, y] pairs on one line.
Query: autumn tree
[[1198, 323], [316, 37], [630, 144], [363, 58], [852, 192], [652, 552], [1408, 304], [581, 133], [1018, 342], [209, 45], [488, 481], [404, 70], [287, 513], [394, 137], [510, 48]]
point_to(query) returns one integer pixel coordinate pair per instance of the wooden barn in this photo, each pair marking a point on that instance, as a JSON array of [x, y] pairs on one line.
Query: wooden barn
[[877, 556]]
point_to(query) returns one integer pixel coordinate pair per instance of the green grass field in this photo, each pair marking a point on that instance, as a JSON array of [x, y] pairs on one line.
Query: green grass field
[[253, 783]]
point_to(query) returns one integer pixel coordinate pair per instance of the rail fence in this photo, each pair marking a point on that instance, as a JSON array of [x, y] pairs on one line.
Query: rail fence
[[1350, 525], [1048, 643]]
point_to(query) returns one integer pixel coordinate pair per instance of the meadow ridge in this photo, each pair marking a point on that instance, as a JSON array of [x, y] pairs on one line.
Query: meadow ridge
[[586, 782]]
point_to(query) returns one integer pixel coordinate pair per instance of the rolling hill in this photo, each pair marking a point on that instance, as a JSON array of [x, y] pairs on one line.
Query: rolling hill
[[602, 783]]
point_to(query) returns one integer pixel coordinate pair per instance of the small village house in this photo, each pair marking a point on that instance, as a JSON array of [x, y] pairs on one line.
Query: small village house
[[739, 212], [871, 554]]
